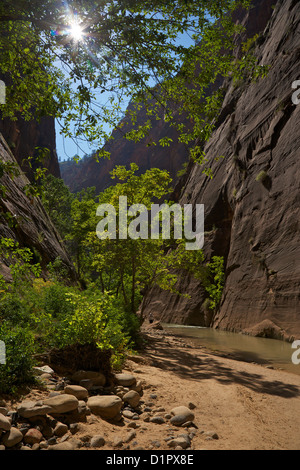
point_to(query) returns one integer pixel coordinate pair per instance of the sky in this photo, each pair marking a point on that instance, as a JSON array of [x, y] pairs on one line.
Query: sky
[[68, 148]]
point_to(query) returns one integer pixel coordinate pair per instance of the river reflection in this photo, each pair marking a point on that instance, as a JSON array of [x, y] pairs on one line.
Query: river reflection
[[266, 351]]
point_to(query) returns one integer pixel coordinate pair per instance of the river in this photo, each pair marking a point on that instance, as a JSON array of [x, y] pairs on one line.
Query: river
[[270, 352]]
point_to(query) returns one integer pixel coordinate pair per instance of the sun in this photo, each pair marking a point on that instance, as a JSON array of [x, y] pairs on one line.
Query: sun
[[76, 31]]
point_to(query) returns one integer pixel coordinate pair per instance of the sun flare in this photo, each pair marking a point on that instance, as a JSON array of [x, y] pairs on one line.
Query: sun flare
[[76, 31]]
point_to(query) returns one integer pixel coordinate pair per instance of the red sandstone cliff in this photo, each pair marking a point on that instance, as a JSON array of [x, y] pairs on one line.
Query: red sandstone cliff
[[251, 218]]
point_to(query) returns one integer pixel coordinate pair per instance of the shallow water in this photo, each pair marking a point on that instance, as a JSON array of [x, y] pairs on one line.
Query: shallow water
[[266, 351]]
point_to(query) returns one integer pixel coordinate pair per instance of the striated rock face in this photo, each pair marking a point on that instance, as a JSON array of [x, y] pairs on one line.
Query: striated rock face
[[26, 221], [24, 136], [252, 203]]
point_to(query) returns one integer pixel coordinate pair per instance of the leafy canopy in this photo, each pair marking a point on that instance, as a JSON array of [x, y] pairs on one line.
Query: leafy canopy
[[126, 50]]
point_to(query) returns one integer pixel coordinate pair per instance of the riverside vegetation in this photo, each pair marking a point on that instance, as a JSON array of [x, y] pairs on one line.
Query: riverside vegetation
[[40, 310]]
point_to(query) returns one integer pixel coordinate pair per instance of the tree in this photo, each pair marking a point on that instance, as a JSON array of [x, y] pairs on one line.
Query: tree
[[121, 50], [130, 265]]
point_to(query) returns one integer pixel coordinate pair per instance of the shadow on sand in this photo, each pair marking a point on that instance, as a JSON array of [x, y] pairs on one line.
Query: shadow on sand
[[185, 364]]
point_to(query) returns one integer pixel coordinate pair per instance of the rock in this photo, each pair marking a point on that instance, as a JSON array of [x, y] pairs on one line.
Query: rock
[[181, 442], [108, 407], [133, 425], [156, 325], [132, 398], [252, 134], [97, 441], [130, 436], [28, 409], [138, 387], [125, 379], [12, 437], [3, 410], [86, 383], [127, 414], [181, 414], [211, 434], [5, 423], [62, 446], [33, 436], [117, 442], [60, 429], [76, 390], [96, 377], [74, 428], [61, 403], [157, 420], [43, 370]]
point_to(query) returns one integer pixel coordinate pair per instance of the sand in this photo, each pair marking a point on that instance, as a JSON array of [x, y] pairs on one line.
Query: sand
[[248, 406]]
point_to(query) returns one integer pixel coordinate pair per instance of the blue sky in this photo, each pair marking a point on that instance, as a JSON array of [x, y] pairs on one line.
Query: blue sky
[[68, 148]]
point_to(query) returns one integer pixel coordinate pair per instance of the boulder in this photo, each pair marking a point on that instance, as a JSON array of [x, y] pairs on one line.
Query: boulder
[[61, 403], [76, 390], [181, 414], [125, 379], [5, 424], [12, 437], [107, 406], [29, 409], [132, 398], [98, 378], [33, 436]]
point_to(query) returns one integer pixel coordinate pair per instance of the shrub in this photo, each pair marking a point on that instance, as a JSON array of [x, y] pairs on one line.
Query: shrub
[[19, 348], [262, 176]]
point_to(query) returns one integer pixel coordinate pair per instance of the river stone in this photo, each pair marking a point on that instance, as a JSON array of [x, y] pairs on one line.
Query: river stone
[[43, 370], [28, 409], [62, 446], [125, 379], [97, 441], [96, 377], [76, 390], [61, 403], [132, 398], [3, 410], [60, 429], [157, 420], [181, 414], [33, 436], [12, 437], [5, 424], [106, 406], [179, 442]]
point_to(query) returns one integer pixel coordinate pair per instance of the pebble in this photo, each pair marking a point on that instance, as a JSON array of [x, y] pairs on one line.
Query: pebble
[[157, 420], [97, 441]]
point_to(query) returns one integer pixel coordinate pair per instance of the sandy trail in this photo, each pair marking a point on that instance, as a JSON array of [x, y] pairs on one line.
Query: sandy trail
[[248, 405]]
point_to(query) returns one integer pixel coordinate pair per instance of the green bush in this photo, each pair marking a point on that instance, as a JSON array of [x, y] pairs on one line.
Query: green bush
[[14, 310], [19, 349]]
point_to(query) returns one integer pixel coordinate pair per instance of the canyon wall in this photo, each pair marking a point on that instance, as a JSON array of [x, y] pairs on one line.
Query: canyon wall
[[24, 219], [23, 137], [252, 203]]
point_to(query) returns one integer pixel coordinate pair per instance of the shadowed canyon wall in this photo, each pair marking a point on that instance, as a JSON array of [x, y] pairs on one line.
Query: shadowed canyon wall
[[252, 203]]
